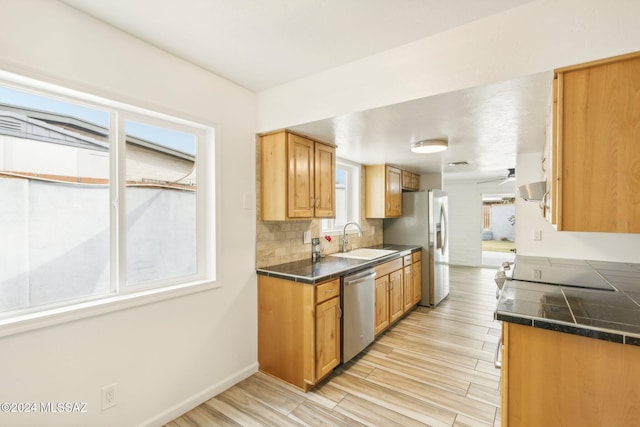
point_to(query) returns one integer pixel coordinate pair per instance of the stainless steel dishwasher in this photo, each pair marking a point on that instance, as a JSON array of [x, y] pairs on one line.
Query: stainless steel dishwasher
[[358, 312]]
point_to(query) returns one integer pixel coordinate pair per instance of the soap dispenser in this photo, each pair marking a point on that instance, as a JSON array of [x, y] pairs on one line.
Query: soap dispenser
[[315, 249]]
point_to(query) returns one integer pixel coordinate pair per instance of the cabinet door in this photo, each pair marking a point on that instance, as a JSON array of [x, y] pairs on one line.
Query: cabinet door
[[325, 181], [408, 288], [393, 192], [416, 182], [416, 285], [300, 177], [396, 291], [327, 336], [382, 304], [599, 112]]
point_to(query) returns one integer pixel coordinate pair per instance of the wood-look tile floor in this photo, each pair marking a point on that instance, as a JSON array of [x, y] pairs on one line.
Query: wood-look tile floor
[[434, 367]]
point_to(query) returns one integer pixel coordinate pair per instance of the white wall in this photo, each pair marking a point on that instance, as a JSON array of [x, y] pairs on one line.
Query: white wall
[[465, 219], [169, 355], [535, 37], [601, 246]]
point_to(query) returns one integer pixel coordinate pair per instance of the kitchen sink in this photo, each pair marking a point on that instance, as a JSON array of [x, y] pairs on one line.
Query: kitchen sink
[[364, 253]]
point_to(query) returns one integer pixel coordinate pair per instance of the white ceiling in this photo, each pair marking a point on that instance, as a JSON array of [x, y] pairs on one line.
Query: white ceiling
[[260, 44], [486, 126]]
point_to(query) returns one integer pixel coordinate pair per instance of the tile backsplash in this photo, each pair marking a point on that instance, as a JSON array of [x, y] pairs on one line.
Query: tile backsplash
[[278, 242]]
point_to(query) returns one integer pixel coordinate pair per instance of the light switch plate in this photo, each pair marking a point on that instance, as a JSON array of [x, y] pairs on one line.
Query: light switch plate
[[306, 237], [248, 202]]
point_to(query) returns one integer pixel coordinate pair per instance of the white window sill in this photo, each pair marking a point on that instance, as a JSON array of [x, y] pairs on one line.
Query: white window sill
[[55, 316]]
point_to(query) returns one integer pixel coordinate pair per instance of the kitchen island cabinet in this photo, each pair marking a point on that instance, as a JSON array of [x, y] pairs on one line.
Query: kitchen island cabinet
[[297, 177], [593, 175], [298, 329], [551, 378], [570, 347]]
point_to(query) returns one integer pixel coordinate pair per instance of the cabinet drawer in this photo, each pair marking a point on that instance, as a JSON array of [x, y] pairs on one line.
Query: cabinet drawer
[[407, 260], [388, 267], [327, 290], [417, 256]]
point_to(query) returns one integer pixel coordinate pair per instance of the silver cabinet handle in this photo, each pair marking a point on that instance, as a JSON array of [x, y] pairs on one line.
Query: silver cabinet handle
[[497, 360], [543, 203]]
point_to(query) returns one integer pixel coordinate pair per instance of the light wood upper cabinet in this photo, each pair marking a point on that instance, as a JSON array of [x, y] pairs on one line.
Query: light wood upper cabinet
[[298, 329], [297, 177], [410, 181], [383, 191], [300, 179], [325, 181], [596, 154]]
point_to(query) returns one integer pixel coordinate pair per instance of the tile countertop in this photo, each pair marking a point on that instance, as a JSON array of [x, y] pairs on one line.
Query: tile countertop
[[330, 267], [601, 314]]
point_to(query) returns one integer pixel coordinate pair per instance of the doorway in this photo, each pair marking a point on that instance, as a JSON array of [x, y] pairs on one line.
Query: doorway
[[498, 229]]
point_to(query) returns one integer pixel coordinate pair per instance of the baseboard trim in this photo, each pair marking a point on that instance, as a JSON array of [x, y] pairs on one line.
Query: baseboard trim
[[195, 400]]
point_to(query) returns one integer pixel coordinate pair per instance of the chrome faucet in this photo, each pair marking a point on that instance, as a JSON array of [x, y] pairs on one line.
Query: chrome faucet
[[345, 239]]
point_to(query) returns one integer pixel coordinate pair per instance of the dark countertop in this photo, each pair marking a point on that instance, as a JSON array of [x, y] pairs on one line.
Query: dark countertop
[[330, 267], [610, 315]]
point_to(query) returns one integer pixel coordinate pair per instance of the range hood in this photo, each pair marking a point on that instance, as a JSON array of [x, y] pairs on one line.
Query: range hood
[[534, 191]]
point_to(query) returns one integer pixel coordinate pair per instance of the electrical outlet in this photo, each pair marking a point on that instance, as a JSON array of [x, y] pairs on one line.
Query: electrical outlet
[[537, 234], [373, 230], [109, 396], [306, 237]]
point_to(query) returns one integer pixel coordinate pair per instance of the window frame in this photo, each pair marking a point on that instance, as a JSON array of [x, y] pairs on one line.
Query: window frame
[[121, 296], [354, 196]]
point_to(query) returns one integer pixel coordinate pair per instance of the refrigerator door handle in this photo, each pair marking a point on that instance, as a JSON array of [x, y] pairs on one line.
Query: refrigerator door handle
[[445, 229]]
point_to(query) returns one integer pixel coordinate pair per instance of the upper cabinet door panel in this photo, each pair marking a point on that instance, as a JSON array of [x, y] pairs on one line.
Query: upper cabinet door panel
[[599, 146], [394, 192], [301, 172], [325, 181]]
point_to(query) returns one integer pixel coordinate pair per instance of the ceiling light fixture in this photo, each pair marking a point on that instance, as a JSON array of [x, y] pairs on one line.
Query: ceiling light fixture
[[429, 146]]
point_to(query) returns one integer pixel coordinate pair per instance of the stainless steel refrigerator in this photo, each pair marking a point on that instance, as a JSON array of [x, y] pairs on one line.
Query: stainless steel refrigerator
[[424, 222]]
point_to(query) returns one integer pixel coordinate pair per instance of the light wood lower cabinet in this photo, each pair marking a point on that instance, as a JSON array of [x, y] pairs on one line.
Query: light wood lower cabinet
[[298, 330], [408, 287], [327, 330], [557, 379], [382, 304], [396, 295], [412, 280], [416, 285], [395, 292]]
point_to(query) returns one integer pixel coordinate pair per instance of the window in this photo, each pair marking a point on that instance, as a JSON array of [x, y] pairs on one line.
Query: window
[[347, 197], [99, 200]]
